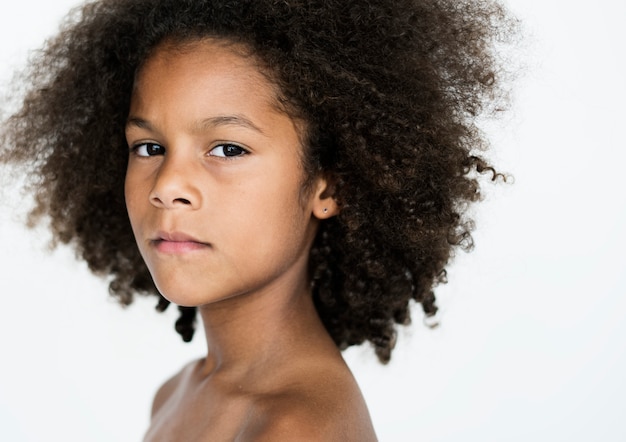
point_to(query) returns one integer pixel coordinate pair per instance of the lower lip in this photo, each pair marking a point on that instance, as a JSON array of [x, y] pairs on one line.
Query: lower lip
[[178, 247]]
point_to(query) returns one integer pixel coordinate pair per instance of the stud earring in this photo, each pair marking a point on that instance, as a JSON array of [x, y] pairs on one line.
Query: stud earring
[[325, 209]]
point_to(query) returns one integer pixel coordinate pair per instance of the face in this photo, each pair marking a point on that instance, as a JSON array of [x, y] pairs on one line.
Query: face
[[214, 179]]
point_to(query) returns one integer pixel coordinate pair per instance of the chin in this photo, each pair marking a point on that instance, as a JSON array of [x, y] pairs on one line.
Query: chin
[[185, 296]]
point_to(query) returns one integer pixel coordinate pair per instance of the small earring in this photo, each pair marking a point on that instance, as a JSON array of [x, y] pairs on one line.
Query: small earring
[[325, 209]]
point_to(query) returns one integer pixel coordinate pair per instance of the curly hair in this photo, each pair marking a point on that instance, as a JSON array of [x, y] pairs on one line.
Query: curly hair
[[390, 91]]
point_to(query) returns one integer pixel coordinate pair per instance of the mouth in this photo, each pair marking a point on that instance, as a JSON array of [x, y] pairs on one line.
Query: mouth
[[177, 243]]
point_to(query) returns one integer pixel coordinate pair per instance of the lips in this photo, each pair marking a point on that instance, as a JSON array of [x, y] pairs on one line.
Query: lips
[[177, 243]]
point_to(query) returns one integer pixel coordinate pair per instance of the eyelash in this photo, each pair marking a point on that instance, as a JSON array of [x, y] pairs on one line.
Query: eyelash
[[161, 150], [136, 148], [241, 153]]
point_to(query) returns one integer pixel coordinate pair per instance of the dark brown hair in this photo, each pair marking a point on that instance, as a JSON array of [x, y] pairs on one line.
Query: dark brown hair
[[389, 89]]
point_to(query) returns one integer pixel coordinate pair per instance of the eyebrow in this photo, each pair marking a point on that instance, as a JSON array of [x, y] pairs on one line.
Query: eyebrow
[[227, 120], [202, 125]]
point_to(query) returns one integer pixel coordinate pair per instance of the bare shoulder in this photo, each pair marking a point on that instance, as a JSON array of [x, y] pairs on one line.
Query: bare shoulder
[[297, 423], [168, 388], [328, 406]]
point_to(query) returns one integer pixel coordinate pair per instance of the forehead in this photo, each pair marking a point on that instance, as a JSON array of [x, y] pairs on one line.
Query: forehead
[[219, 60], [210, 75], [185, 85], [180, 82]]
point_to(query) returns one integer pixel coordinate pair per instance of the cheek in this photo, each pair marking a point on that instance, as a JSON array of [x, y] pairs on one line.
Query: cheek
[[277, 197], [133, 194], [267, 211], [129, 197], [284, 218]]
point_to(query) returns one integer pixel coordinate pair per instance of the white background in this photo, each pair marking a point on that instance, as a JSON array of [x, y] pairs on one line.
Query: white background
[[532, 344]]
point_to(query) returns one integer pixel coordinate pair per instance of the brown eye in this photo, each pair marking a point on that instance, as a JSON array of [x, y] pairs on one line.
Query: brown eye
[[148, 149], [227, 150]]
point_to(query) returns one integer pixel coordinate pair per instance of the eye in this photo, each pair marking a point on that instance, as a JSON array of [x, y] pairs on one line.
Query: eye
[[148, 149], [227, 150]]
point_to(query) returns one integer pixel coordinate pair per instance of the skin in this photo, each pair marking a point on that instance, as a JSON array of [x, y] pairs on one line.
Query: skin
[[215, 196]]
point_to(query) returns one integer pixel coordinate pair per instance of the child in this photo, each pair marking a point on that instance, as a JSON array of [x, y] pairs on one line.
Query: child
[[296, 172]]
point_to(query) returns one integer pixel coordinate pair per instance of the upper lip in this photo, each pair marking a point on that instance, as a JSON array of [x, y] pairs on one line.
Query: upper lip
[[176, 237]]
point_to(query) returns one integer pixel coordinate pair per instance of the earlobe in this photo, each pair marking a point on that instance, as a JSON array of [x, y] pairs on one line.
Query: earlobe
[[325, 206], [326, 210]]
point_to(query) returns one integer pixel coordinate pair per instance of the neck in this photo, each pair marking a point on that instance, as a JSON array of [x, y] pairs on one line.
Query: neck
[[257, 331]]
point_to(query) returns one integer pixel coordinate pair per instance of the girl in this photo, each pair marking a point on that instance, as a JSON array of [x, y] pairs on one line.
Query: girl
[[295, 172]]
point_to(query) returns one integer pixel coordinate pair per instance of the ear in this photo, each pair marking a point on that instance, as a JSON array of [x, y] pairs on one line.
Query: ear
[[324, 203]]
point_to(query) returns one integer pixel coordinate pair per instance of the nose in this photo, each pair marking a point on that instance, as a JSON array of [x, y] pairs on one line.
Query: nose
[[175, 186]]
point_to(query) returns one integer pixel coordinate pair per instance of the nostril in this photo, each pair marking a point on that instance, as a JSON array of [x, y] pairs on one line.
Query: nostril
[[163, 203]]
